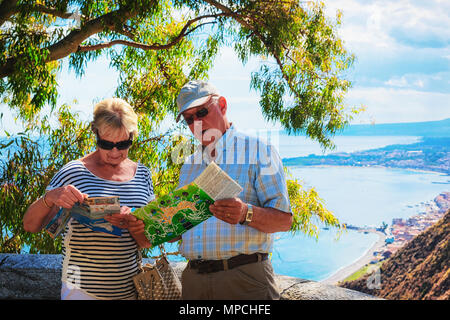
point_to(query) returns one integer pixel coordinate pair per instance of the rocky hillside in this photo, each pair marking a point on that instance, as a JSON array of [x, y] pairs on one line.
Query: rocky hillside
[[418, 271]]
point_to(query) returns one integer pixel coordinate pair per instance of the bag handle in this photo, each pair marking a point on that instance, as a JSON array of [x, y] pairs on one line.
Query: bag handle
[[164, 253], [162, 250], [139, 260]]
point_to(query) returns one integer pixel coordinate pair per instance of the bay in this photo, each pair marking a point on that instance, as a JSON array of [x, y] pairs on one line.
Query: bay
[[307, 258], [361, 196], [369, 196]]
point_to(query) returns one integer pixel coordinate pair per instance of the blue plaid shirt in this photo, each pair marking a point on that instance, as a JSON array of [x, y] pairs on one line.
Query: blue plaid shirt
[[257, 167]]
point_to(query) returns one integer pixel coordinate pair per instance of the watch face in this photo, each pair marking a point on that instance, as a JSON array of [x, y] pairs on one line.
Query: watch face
[[249, 216]]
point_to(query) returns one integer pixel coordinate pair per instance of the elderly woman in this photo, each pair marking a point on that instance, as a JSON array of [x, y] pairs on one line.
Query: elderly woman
[[98, 265]]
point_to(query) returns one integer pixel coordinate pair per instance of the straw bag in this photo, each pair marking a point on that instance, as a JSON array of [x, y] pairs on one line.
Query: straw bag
[[157, 281]]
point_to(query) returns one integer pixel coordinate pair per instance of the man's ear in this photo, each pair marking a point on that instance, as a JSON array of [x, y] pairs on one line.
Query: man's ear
[[223, 105]]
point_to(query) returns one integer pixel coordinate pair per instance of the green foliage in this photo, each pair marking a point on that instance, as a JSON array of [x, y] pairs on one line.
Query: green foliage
[[367, 269], [156, 46], [24, 177], [309, 212], [30, 164], [300, 84]]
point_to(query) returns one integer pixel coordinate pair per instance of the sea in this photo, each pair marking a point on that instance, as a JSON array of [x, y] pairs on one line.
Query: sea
[[360, 196]]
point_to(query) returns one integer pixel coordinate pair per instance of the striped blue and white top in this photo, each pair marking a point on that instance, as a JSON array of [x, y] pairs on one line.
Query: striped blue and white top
[[100, 264]]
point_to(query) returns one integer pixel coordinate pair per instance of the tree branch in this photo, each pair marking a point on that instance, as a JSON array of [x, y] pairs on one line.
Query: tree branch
[[43, 9], [7, 8], [104, 45], [72, 41], [249, 26], [183, 33]]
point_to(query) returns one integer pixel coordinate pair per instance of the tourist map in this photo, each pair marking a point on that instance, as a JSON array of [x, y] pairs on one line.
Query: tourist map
[[171, 215]]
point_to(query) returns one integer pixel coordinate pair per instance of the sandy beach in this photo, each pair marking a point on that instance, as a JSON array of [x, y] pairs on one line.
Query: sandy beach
[[344, 272], [402, 230]]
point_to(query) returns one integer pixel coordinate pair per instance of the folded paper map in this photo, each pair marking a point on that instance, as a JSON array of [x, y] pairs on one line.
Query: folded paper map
[[90, 213], [171, 215]]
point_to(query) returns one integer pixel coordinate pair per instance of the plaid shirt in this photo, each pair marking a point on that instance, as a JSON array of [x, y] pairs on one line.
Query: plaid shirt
[[257, 167]]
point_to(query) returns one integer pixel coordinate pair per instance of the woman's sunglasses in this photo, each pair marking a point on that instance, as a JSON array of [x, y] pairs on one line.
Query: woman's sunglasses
[[203, 112], [108, 145]]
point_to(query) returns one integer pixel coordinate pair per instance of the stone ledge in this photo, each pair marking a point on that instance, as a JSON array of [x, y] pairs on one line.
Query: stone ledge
[[33, 276]]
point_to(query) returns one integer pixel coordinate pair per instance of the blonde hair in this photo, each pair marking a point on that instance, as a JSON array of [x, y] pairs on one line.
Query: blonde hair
[[114, 114]]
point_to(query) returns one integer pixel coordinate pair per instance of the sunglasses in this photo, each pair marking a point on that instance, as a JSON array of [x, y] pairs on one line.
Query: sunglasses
[[203, 112], [108, 145]]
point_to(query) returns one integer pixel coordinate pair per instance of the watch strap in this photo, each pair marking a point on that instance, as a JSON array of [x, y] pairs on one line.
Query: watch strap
[[249, 215]]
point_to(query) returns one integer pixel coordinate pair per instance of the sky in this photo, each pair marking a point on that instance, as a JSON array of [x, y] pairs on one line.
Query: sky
[[401, 73]]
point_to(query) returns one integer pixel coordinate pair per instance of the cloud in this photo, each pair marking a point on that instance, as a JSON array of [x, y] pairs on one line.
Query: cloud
[[403, 51], [393, 24], [396, 82], [433, 82], [387, 105]]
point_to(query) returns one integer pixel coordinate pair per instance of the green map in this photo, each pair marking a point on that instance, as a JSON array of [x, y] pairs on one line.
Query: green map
[[169, 216]]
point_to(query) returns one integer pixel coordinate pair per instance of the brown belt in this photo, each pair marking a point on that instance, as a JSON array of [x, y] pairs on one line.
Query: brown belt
[[209, 266]]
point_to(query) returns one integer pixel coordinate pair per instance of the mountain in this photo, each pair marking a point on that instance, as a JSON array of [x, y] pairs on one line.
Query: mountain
[[418, 271], [422, 129], [439, 128]]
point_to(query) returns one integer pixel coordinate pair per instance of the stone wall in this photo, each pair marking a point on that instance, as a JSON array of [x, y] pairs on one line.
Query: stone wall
[[30, 276]]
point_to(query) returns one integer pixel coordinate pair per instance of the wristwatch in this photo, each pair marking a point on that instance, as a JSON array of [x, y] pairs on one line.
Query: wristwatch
[[249, 216]]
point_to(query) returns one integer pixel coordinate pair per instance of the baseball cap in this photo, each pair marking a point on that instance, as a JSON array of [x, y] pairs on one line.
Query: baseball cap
[[194, 94]]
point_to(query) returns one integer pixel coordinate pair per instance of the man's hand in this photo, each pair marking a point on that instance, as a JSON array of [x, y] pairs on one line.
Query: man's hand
[[231, 210], [267, 220]]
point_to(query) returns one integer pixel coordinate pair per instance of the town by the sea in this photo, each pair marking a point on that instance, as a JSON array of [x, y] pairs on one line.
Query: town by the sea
[[359, 196]]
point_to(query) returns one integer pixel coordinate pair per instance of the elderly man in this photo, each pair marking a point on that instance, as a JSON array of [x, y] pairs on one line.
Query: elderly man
[[228, 253]]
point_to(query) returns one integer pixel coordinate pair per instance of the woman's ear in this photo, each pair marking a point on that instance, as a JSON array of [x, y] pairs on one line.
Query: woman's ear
[[93, 128]]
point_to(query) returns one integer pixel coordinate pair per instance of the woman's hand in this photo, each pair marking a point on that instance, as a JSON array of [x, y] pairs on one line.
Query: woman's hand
[[135, 226], [65, 197], [41, 211], [120, 219]]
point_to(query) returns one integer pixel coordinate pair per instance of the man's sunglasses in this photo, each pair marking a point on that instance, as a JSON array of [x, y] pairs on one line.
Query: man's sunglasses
[[108, 145], [203, 112]]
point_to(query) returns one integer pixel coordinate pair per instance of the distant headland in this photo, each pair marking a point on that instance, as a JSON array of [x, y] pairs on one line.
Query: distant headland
[[430, 154]]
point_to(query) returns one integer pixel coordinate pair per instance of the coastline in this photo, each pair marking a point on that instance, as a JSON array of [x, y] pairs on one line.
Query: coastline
[[402, 231], [365, 259], [372, 166]]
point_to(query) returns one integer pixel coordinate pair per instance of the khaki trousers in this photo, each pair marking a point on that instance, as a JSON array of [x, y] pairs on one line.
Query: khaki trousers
[[253, 281]]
